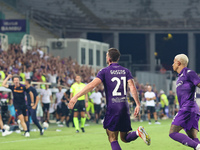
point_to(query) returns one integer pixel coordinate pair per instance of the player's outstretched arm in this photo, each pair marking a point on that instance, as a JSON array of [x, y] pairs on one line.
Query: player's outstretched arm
[[4, 84], [134, 93], [84, 91]]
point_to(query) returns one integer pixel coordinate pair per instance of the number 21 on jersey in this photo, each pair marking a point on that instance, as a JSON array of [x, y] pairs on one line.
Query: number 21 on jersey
[[119, 81]]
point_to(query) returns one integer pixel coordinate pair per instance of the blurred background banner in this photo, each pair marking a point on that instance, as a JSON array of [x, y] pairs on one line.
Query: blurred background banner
[[13, 25]]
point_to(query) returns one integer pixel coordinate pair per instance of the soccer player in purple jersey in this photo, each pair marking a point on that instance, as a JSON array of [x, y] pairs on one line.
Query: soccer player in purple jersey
[[117, 118], [188, 116]]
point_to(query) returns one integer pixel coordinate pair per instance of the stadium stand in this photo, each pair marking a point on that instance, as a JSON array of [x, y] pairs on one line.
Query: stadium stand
[[39, 33]]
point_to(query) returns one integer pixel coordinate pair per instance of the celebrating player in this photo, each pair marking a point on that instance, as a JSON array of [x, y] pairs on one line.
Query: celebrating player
[[33, 109], [19, 101], [117, 118], [188, 115]]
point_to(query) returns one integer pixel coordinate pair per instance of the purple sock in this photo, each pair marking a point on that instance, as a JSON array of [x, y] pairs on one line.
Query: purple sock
[[131, 136], [196, 140], [184, 139], [115, 145]]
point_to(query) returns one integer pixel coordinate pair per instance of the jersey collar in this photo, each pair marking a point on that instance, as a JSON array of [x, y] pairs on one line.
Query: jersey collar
[[114, 64], [182, 71]]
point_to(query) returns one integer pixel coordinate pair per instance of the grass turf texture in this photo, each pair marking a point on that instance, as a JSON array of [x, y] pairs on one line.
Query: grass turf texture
[[94, 138]]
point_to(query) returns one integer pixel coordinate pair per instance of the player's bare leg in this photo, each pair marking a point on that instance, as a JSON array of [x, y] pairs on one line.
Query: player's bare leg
[[21, 118], [48, 116], [62, 119], [23, 124], [182, 138], [193, 135], [27, 122], [149, 116], [113, 139], [156, 118]]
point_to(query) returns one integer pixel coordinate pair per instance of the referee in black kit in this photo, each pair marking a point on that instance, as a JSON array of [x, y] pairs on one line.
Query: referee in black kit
[[19, 102]]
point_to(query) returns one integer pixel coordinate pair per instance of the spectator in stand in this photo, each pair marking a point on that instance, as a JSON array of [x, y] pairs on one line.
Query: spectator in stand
[[164, 104], [22, 75], [90, 107], [27, 74], [61, 79], [150, 103], [39, 76], [58, 102], [172, 102], [96, 96], [34, 77], [11, 110], [46, 99], [52, 78], [65, 110], [40, 52], [70, 80]]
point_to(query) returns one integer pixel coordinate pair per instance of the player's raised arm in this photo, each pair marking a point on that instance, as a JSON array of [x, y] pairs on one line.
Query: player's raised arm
[[4, 84], [134, 93], [84, 91]]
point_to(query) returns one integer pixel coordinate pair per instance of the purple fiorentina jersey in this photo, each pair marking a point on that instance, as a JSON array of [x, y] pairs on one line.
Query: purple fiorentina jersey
[[185, 88], [114, 78]]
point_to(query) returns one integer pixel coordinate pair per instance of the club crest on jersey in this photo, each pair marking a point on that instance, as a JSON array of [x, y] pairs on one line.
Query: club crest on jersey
[[179, 83]]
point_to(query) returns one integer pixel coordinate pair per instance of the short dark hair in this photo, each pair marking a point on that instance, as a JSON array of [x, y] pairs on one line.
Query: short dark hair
[[114, 54], [15, 76], [29, 81]]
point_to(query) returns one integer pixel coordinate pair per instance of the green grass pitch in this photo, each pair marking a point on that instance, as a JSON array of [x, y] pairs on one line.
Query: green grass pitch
[[94, 138]]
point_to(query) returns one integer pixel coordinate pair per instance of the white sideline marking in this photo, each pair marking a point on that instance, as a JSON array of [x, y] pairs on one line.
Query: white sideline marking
[[147, 126], [43, 138]]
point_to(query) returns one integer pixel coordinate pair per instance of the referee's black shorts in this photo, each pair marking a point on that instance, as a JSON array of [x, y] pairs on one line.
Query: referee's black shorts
[[79, 106]]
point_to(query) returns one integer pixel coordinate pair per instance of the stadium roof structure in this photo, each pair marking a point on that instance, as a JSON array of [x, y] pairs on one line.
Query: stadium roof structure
[[106, 15]]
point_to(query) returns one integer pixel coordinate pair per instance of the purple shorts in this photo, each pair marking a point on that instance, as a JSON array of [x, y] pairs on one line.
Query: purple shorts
[[117, 122], [187, 120]]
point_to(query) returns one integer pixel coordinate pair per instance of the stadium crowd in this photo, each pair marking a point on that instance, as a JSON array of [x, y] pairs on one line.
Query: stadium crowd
[[41, 67]]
